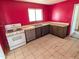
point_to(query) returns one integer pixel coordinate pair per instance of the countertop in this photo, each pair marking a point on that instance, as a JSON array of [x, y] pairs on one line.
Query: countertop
[[36, 25], [32, 26]]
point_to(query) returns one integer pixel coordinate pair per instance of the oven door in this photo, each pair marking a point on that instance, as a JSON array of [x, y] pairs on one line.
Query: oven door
[[16, 39]]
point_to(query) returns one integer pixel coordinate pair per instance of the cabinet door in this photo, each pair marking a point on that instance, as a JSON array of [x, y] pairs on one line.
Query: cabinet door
[[27, 34], [58, 31], [45, 30], [30, 35], [62, 31], [38, 32], [51, 29], [55, 30]]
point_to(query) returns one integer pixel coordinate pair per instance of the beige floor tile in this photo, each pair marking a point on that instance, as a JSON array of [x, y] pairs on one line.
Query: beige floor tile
[[20, 56], [47, 47], [39, 52], [52, 57], [72, 52], [39, 57], [30, 57], [18, 51], [58, 56], [76, 56], [10, 56], [62, 51], [26, 53], [45, 55], [51, 50]]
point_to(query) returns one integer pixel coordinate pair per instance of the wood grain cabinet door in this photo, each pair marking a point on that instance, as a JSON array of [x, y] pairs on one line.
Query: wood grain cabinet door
[[62, 32], [30, 35], [45, 30], [58, 31], [27, 35], [55, 30], [51, 29], [38, 32]]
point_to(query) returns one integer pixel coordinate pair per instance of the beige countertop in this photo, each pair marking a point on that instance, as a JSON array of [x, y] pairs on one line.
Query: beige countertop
[[59, 24], [36, 25], [32, 26]]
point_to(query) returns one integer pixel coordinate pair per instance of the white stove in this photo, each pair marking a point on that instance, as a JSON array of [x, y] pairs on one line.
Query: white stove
[[15, 36]]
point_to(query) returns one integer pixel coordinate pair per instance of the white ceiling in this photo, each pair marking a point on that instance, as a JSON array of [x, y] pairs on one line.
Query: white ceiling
[[43, 1]]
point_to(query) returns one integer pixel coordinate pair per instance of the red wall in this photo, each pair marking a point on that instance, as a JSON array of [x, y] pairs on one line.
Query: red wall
[[17, 12], [62, 12], [3, 40], [76, 1]]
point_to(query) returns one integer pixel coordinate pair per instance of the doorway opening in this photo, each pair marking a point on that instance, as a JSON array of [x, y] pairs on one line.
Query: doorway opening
[[75, 22]]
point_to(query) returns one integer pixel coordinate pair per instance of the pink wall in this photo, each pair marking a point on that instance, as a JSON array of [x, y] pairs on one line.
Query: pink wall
[[62, 12], [17, 12], [76, 1], [3, 40]]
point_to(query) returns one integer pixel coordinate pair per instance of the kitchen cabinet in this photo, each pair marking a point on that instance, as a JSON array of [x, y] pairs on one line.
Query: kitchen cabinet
[[45, 30], [58, 31], [30, 35], [62, 31], [38, 32], [51, 29], [55, 30]]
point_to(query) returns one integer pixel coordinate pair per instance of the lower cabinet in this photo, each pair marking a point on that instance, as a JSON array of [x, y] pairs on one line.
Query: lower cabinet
[[38, 32], [45, 30], [30, 35], [51, 29], [62, 32], [55, 30], [41, 31], [58, 31]]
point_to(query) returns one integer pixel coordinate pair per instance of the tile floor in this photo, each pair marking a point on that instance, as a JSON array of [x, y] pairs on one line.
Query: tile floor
[[47, 47]]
